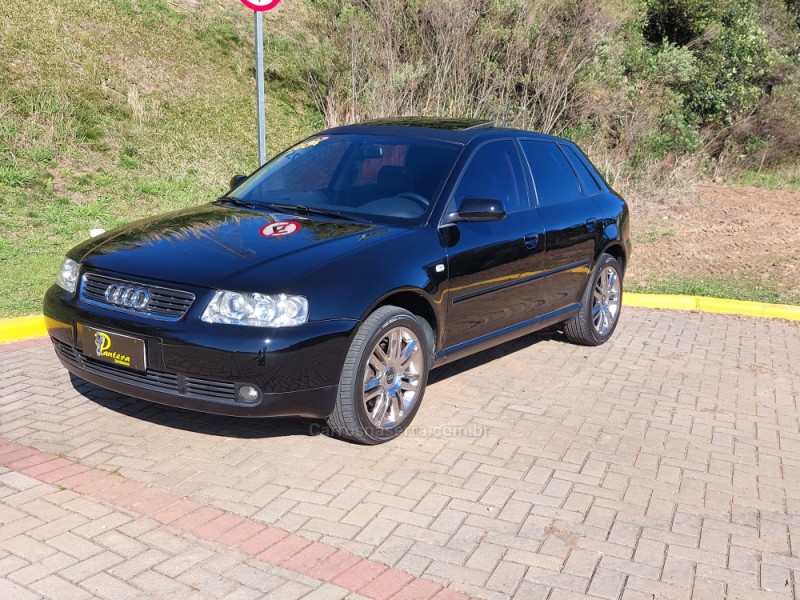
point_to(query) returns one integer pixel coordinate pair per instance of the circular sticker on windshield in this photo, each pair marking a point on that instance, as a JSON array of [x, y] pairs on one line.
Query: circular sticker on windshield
[[280, 229]]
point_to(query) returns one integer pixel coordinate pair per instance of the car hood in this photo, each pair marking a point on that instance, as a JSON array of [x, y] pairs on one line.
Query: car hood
[[222, 247]]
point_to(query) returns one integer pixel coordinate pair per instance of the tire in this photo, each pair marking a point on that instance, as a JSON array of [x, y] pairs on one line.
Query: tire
[[384, 377], [601, 304]]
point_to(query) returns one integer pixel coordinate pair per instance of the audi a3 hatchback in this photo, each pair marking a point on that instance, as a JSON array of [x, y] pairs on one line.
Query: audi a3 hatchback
[[330, 282]]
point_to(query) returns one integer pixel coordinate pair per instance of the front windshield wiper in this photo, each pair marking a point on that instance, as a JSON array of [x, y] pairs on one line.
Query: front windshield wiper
[[311, 210], [235, 201]]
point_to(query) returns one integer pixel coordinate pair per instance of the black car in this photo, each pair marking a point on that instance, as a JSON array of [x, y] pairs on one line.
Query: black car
[[329, 282]]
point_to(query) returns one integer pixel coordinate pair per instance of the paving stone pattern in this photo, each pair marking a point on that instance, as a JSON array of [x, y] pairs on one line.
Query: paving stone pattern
[[664, 464]]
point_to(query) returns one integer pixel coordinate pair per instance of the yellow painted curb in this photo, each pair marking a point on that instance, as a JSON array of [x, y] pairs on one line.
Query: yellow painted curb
[[21, 328], [713, 305]]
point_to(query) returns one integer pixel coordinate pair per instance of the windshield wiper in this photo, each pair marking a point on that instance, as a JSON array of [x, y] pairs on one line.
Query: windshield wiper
[[311, 210], [235, 201]]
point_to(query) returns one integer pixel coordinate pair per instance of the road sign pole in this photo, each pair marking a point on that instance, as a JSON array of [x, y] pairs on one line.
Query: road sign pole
[[257, 6], [260, 104]]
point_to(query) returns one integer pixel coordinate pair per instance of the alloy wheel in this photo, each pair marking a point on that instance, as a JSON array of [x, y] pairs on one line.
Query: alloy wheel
[[392, 377], [607, 295]]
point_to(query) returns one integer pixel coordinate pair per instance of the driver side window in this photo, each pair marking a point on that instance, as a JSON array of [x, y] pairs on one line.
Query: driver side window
[[495, 172]]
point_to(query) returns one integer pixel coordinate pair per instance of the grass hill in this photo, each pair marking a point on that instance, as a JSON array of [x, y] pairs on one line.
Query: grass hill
[[115, 109], [111, 110]]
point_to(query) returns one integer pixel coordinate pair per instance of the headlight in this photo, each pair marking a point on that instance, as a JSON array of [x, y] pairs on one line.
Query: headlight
[[68, 276], [258, 310]]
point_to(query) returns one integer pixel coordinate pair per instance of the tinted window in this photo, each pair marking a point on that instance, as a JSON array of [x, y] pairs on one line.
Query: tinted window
[[494, 172], [381, 178], [554, 178], [310, 165], [393, 156], [589, 183]]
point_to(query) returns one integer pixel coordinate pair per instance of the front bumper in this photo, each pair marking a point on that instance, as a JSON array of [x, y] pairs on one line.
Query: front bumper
[[200, 367]]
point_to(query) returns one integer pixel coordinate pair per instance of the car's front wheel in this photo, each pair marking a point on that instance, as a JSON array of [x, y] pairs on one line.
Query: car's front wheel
[[384, 376], [600, 305]]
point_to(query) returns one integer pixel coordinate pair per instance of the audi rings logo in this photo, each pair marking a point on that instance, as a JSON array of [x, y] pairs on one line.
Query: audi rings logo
[[127, 296]]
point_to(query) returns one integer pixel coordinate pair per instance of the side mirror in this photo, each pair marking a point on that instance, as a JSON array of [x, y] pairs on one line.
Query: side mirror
[[237, 180], [479, 209]]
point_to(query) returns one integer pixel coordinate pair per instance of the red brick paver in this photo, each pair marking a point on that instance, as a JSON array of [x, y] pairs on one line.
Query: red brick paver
[[269, 544]]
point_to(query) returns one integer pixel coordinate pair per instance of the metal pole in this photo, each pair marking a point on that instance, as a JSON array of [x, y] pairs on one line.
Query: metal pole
[[260, 104]]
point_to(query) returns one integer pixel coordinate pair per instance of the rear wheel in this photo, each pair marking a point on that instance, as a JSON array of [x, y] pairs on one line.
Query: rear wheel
[[600, 305], [384, 376]]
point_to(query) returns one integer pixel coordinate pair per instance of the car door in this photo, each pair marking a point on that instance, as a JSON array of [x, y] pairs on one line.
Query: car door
[[571, 221], [493, 265]]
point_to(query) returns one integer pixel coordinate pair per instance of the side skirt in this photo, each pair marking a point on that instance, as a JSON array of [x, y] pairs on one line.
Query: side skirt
[[504, 335]]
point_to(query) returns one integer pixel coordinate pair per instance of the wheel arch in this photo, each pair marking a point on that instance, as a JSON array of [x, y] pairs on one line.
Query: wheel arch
[[415, 302], [616, 250]]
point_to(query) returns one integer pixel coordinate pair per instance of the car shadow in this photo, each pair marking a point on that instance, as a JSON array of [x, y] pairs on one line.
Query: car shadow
[[197, 422], [481, 358], [244, 428]]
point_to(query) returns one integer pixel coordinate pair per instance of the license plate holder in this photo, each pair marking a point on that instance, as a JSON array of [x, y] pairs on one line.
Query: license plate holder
[[114, 348]]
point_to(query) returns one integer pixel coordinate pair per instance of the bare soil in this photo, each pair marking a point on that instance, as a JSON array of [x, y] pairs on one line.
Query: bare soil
[[718, 231]]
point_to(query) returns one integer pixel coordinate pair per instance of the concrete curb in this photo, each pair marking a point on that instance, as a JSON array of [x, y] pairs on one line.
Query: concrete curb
[[713, 305], [23, 328]]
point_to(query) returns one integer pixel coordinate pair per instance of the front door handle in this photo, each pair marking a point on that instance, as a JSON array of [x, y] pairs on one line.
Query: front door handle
[[591, 224], [532, 241]]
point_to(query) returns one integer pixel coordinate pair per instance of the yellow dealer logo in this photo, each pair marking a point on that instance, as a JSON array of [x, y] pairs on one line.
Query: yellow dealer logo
[[102, 344], [311, 143]]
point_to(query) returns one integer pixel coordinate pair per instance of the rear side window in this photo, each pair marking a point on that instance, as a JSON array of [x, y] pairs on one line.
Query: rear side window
[[554, 178], [589, 183]]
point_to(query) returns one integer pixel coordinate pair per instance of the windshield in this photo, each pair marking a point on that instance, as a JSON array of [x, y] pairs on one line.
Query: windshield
[[382, 179]]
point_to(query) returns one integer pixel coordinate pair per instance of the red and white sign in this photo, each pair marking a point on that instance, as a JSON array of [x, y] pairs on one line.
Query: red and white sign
[[260, 5], [280, 229]]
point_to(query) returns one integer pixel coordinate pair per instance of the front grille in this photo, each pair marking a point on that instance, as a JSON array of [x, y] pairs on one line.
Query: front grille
[[169, 383], [164, 303]]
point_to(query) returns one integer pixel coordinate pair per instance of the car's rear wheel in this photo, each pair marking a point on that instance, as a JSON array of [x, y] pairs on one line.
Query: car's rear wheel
[[384, 376], [600, 305]]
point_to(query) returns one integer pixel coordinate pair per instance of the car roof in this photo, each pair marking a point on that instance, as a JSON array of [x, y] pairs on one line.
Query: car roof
[[461, 131]]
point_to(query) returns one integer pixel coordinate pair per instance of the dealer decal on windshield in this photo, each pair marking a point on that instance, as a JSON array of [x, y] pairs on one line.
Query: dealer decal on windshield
[[310, 143], [280, 229]]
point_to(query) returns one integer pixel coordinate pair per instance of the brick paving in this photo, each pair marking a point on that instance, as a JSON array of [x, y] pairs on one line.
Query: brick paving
[[56, 543], [665, 464]]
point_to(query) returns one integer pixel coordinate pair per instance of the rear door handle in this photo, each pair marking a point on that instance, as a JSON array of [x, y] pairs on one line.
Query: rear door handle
[[591, 224], [532, 241]]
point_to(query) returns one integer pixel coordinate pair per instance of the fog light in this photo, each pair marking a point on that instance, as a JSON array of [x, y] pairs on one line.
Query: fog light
[[248, 394]]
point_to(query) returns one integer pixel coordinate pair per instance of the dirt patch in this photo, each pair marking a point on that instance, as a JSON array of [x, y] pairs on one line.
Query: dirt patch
[[719, 231], [569, 538]]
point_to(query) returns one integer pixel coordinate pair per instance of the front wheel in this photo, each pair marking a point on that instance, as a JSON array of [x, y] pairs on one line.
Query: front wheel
[[600, 305], [384, 377]]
